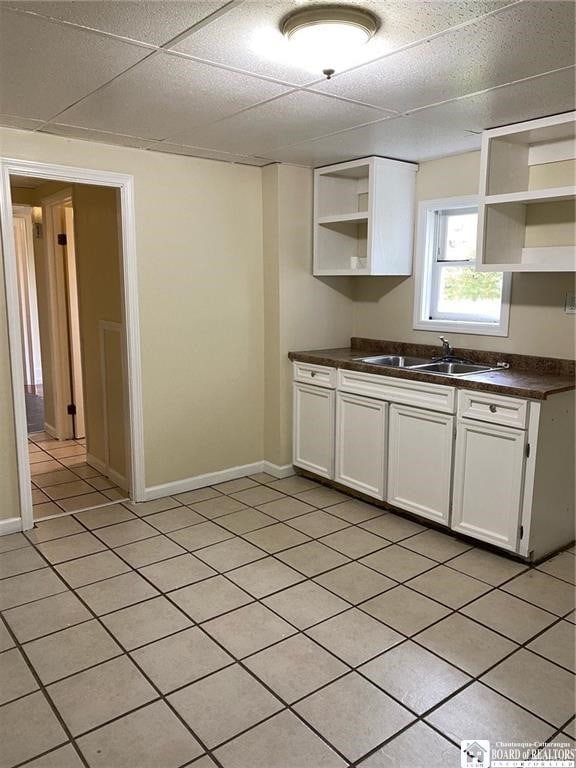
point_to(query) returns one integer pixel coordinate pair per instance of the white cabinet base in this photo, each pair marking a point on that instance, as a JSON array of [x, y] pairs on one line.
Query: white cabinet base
[[420, 461], [314, 429], [488, 482], [361, 443]]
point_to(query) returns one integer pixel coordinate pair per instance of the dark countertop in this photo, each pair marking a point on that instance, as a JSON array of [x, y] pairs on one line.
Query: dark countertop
[[534, 378]]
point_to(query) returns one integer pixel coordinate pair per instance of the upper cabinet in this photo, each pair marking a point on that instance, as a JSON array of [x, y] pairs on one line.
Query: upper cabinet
[[363, 217], [526, 219]]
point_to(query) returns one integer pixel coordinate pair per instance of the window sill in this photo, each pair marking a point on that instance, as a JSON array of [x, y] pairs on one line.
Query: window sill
[[459, 326]]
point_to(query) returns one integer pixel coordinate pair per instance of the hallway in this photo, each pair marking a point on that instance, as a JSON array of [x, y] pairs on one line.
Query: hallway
[[62, 481]]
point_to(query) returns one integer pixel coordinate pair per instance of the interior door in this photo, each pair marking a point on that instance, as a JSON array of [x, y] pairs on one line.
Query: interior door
[[75, 357]]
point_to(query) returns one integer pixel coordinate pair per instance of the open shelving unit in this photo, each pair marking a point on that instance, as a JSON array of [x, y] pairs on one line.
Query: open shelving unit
[[363, 217], [527, 206]]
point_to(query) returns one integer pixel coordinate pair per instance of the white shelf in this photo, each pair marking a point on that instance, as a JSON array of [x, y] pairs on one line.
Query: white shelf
[[363, 217], [532, 196], [524, 229], [343, 217], [552, 255], [342, 272]]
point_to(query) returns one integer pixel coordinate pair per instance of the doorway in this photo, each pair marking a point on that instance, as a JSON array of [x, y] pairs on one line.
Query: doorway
[[90, 444], [23, 229]]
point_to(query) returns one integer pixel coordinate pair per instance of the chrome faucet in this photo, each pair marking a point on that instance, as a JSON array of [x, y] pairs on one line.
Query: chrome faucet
[[447, 348]]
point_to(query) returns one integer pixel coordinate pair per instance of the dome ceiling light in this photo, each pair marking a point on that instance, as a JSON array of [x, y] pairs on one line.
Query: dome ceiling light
[[326, 31]]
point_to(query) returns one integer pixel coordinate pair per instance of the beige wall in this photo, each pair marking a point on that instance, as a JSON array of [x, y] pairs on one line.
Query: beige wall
[[226, 290], [199, 248], [302, 312], [383, 307]]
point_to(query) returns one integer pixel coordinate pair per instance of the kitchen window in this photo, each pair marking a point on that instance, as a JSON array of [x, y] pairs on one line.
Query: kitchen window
[[450, 294]]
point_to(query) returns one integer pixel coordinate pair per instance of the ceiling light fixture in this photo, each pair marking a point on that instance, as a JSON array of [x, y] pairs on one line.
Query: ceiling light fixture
[[327, 31]]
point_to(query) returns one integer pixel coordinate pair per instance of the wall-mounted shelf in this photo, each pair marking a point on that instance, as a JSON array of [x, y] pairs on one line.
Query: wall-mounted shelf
[[527, 209], [363, 217], [342, 217], [533, 196]]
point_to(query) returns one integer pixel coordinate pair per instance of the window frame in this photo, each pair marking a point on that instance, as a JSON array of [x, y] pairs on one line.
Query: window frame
[[425, 277]]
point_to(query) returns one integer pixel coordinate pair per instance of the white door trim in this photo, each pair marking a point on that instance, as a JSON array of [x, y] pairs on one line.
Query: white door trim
[[125, 184]]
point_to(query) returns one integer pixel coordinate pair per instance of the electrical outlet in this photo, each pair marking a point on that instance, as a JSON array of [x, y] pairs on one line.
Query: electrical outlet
[[570, 303]]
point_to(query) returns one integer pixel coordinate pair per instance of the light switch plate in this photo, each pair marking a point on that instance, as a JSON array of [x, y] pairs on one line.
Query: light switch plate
[[570, 303]]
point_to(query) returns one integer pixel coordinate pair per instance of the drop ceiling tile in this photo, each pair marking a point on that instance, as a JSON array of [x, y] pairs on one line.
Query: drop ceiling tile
[[24, 123], [248, 37], [296, 117], [72, 132], [548, 95], [166, 93], [147, 21], [47, 66], [403, 138], [526, 40], [207, 154]]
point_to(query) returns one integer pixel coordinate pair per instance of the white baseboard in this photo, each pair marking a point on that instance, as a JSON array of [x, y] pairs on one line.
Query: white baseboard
[[95, 462], [14, 524], [277, 470], [50, 430], [213, 478], [10, 525], [98, 464]]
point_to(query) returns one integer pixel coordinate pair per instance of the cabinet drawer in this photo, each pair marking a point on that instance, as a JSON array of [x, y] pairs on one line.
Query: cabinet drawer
[[436, 397], [495, 409], [319, 375]]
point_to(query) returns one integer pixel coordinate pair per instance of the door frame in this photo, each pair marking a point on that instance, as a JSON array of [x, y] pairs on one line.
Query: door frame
[[125, 184]]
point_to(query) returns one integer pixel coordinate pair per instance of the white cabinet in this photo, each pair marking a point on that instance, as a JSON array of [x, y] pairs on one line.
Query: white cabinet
[[507, 479], [363, 217], [527, 192], [313, 447], [361, 443], [488, 482], [420, 449]]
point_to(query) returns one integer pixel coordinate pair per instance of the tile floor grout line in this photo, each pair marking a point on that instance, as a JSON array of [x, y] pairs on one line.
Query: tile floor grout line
[[357, 560], [234, 658], [494, 587], [307, 578], [147, 678], [42, 689], [69, 469], [468, 684], [247, 669]]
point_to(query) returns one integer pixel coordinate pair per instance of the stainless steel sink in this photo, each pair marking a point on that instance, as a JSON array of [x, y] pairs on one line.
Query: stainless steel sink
[[394, 361], [453, 369]]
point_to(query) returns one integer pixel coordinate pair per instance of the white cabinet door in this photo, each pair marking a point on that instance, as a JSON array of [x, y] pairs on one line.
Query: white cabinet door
[[420, 461], [314, 429], [488, 481], [361, 443]]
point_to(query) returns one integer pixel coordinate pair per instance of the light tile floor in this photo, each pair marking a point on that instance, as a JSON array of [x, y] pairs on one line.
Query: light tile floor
[[62, 481], [272, 624]]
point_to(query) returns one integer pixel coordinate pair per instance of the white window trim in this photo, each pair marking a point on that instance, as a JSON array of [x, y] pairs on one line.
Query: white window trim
[[422, 276]]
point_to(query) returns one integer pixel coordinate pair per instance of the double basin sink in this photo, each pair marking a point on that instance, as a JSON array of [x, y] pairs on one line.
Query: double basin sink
[[439, 367]]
